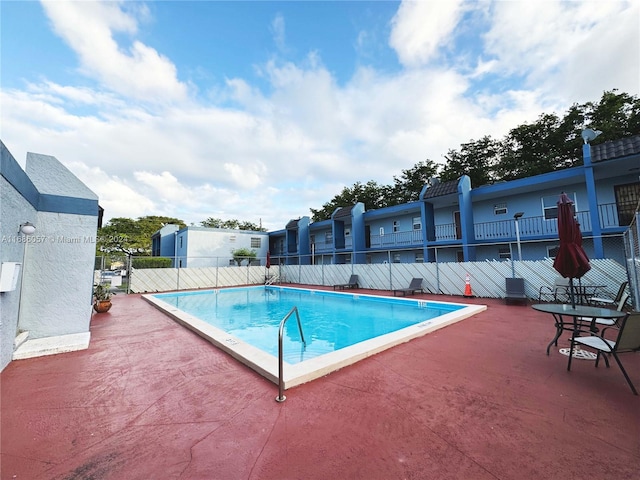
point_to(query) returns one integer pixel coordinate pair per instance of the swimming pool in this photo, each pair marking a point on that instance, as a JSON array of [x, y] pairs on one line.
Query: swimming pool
[[339, 328]]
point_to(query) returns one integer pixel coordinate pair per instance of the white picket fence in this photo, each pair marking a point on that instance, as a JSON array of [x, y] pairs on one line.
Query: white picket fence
[[487, 278]]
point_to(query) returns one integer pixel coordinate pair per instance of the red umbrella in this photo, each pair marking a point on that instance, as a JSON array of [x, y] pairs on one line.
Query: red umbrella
[[571, 261], [268, 264]]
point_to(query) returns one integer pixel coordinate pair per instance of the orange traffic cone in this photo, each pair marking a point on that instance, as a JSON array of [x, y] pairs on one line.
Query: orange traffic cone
[[467, 287]]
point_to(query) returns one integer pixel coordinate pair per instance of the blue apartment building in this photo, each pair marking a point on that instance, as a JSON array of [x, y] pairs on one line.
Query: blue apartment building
[[454, 222]]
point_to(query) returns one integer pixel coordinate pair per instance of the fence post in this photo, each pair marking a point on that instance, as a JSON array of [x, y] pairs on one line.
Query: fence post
[[390, 273], [129, 263]]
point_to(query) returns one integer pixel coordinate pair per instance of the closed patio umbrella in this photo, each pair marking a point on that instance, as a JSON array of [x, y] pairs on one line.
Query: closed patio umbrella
[[571, 261], [268, 266]]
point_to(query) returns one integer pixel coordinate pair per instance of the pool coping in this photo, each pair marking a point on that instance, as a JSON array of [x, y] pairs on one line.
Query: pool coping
[[296, 374]]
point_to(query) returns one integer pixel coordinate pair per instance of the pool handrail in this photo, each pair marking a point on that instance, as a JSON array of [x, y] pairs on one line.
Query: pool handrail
[[281, 397]]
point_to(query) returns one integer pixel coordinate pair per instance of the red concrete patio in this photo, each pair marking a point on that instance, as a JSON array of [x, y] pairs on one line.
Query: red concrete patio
[[476, 400]]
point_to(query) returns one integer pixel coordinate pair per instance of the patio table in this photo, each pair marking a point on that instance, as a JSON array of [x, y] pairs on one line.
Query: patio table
[[575, 325]]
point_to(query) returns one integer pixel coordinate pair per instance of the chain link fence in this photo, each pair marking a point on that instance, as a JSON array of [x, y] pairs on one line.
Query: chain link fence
[[631, 240]]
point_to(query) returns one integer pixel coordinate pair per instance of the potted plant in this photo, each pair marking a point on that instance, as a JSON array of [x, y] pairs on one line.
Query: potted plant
[[101, 298]]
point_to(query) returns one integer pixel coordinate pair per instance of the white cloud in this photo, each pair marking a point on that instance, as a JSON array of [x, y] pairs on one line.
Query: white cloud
[[568, 49], [278, 32], [272, 156], [421, 27], [137, 71]]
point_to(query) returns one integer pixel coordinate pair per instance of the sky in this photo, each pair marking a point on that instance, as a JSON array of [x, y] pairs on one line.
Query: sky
[[259, 111]]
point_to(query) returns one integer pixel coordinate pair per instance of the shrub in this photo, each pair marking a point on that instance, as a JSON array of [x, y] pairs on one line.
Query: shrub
[[151, 262]]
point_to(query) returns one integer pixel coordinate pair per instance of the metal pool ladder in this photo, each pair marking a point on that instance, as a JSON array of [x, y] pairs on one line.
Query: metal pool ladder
[[281, 397]]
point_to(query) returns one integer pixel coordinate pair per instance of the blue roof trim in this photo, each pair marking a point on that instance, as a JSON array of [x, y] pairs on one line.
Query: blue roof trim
[[71, 205], [17, 177], [542, 178], [386, 211]]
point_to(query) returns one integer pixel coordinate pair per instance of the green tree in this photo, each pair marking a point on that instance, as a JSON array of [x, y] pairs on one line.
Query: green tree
[[240, 254], [477, 159], [371, 194], [231, 224], [550, 143], [125, 235], [616, 115], [407, 187]]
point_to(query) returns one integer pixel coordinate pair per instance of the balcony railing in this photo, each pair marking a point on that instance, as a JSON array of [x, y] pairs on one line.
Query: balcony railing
[[446, 231], [411, 237], [503, 229], [539, 226]]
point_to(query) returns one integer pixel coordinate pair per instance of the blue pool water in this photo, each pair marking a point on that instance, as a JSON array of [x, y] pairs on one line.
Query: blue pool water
[[330, 321]]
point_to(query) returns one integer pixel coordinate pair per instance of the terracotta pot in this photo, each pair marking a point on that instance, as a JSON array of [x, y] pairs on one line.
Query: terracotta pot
[[102, 306]]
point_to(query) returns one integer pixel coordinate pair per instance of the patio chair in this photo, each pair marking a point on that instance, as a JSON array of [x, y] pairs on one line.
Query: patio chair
[[353, 283], [610, 301], [414, 286], [515, 290], [627, 340], [560, 290], [607, 321]]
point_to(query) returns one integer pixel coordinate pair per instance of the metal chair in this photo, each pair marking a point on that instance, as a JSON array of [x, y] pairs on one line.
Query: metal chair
[[609, 322], [414, 286], [610, 301], [353, 283], [627, 340], [514, 288], [560, 290]]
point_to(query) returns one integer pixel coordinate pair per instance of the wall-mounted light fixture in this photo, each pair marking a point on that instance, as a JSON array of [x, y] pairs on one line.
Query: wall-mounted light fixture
[[27, 228]]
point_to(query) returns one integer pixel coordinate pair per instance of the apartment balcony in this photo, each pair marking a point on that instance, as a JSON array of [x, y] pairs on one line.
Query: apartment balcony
[[320, 247], [541, 227], [397, 239]]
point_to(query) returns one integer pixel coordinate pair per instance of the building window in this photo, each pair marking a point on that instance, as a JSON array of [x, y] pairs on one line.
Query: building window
[[419, 257], [181, 241], [417, 223], [552, 251], [396, 258], [504, 253], [500, 209], [550, 206], [396, 227], [256, 242], [627, 198]]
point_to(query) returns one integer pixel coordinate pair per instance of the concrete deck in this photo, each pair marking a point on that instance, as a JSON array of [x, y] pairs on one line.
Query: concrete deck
[[477, 400]]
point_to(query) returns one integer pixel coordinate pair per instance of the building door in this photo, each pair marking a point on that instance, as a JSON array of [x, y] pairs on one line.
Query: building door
[[458, 225], [627, 198]]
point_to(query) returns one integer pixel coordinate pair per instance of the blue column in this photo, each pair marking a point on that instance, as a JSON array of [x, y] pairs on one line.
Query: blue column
[[592, 197]]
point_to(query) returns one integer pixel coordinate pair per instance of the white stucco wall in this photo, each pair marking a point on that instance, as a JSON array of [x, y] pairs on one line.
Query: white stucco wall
[[212, 247], [53, 299], [14, 211], [58, 275], [58, 272]]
